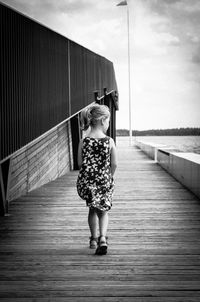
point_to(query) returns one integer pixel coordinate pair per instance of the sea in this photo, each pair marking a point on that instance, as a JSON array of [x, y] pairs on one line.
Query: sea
[[178, 143]]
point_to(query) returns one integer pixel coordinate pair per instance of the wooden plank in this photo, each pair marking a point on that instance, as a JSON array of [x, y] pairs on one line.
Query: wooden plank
[[154, 241], [106, 299]]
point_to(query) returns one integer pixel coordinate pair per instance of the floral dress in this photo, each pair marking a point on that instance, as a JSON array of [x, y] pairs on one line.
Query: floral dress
[[95, 183]]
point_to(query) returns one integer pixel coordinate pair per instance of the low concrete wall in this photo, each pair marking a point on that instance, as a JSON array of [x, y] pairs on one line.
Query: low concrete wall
[[149, 148], [185, 167]]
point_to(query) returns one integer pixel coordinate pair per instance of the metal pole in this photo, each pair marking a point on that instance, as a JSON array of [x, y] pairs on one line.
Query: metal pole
[[129, 80]]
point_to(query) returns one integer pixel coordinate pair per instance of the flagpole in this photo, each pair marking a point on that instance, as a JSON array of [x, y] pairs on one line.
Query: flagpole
[[122, 3], [129, 79]]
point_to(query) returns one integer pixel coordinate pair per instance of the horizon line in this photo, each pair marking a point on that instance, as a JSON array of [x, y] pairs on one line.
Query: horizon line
[[155, 129]]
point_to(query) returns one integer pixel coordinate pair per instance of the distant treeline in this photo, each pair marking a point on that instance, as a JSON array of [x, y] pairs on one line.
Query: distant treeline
[[161, 132]]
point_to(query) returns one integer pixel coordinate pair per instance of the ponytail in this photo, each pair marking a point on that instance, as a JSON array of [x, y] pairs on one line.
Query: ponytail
[[85, 118]]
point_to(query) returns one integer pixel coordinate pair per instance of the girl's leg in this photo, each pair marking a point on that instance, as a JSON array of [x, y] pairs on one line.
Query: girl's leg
[[103, 223], [93, 222], [103, 226]]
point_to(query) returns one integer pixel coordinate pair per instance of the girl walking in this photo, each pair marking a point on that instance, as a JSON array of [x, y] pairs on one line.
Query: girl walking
[[97, 164]]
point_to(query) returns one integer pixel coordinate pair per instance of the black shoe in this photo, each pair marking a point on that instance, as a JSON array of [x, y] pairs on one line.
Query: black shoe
[[102, 246], [93, 242]]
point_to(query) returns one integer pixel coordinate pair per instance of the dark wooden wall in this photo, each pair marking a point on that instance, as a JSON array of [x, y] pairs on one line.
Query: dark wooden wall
[[45, 78]]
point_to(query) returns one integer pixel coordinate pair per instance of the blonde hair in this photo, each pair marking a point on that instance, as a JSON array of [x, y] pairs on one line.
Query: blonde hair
[[92, 114]]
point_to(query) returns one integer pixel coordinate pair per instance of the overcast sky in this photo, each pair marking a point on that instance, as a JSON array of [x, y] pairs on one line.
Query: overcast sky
[[165, 52]]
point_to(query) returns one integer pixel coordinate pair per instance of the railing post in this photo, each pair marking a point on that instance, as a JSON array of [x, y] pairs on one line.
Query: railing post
[[96, 96], [4, 180], [155, 154], [75, 131]]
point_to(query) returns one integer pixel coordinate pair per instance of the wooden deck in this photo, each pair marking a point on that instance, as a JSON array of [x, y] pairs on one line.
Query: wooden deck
[[154, 241]]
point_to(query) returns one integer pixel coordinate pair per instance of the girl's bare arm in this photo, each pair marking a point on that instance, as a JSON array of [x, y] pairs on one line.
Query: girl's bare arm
[[79, 158], [113, 156]]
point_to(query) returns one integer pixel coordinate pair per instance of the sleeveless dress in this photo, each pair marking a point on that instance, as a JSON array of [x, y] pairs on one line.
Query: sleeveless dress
[[95, 183]]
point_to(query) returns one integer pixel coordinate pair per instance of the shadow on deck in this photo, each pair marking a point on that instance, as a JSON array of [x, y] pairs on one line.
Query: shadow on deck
[[154, 241]]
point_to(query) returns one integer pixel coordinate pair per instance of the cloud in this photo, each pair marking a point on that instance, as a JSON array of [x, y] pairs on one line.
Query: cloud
[[165, 7], [178, 22], [196, 57], [169, 39], [38, 7], [182, 16]]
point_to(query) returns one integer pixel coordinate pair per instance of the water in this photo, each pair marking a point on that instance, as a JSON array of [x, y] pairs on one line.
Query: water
[[180, 143]]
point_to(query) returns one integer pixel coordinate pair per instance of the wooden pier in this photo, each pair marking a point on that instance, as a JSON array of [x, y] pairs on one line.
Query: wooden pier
[[154, 241]]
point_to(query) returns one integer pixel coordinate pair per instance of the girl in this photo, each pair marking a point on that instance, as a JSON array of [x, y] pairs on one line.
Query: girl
[[97, 164]]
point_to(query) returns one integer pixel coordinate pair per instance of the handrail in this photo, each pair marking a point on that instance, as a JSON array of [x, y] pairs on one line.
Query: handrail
[[40, 137]]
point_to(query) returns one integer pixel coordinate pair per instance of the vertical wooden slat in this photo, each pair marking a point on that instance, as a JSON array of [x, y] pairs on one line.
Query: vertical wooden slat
[[2, 195], [75, 130]]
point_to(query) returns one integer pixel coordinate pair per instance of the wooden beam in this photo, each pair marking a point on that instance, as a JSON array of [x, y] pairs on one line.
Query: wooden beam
[[76, 136], [3, 207]]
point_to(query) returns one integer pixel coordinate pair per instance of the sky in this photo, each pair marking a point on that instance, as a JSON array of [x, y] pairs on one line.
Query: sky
[[164, 52]]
